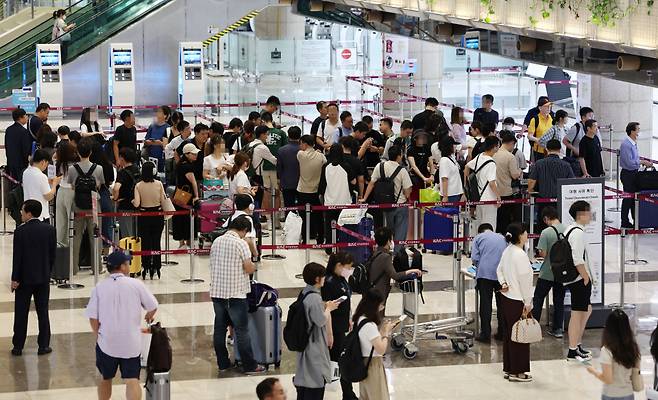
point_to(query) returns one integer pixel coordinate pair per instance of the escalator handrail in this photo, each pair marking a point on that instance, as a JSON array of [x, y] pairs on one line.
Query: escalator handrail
[[31, 54]]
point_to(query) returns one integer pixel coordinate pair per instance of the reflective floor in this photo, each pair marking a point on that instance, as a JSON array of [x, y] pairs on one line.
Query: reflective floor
[[436, 373]]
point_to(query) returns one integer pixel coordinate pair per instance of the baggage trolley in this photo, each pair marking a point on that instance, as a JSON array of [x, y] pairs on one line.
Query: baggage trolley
[[445, 329]]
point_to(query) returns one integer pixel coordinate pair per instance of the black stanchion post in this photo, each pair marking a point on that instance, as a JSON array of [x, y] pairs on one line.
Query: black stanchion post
[[416, 221], [273, 256], [617, 208], [636, 225], [307, 234], [531, 242], [334, 236], [192, 279], [70, 285], [3, 186]]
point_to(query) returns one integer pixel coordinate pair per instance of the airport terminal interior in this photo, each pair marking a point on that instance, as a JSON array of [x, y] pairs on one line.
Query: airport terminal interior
[[380, 60]]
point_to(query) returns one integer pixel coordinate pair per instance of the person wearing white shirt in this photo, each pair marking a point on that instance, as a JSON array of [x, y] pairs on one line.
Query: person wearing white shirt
[[374, 336], [170, 149], [515, 277], [35, 183], [450, 183], [484, 167], [244, 205], [328, 127], [345, 127], [259, 153], [581, 287], [238, 181]]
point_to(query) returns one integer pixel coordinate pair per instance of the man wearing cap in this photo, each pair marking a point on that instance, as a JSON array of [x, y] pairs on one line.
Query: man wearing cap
[[534, 111], [538, 126], [115, 314]]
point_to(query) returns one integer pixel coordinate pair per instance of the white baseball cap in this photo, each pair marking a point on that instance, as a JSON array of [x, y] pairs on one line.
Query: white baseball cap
[[190, 148]]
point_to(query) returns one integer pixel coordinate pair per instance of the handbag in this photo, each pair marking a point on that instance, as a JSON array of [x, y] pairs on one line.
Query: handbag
[[429, 195], [292, 228], [526, 330], [636, 380], [167, 206], [182, 197]]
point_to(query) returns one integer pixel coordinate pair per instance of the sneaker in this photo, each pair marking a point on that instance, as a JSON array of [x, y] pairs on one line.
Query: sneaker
[[582, 355], [229, 340], [258, 370], [520, 378], [44, 350], [230, 367], [505, 375], [581, 350], [556, 333], [574, 355]]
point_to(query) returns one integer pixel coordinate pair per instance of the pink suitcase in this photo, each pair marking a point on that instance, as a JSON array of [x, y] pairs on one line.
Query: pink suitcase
[[213, 212]]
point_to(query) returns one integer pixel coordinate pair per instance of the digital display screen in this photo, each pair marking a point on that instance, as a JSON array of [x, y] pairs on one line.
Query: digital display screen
[[122, 57], [472, 43], [192, 56], [49, 58]]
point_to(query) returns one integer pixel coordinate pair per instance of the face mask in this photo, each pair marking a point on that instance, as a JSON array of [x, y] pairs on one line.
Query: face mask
[[508, 127], [347, 272]]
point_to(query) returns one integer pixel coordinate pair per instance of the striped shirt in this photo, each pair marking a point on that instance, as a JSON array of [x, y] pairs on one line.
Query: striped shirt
[[228, 279], [546, 173]]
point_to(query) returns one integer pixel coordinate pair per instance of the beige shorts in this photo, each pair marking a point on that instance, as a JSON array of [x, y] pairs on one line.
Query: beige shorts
[[270, 180]]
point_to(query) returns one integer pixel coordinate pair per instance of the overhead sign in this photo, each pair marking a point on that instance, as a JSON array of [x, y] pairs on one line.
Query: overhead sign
[[396, 54], [591, 191]]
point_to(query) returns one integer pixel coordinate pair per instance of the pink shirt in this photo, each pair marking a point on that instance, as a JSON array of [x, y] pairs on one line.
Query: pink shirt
[[117, 303]]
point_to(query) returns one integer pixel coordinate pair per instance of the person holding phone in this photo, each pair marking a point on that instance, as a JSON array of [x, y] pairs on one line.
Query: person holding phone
[[515, 277], [339, 269], [375, 336]]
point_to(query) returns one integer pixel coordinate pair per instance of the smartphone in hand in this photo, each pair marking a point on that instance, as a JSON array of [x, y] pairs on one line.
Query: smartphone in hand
[[341, 299]]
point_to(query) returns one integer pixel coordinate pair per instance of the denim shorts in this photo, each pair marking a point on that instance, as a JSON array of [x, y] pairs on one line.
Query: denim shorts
[[107, 366]]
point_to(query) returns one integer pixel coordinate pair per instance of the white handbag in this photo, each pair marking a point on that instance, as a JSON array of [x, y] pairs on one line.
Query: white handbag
[[292, 228], [334, 385], [526, 330]]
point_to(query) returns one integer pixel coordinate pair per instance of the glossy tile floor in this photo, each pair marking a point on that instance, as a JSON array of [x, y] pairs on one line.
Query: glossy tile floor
[[436, 373]]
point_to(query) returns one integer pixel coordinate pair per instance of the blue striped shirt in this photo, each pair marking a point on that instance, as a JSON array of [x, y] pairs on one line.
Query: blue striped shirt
[[629, 158]]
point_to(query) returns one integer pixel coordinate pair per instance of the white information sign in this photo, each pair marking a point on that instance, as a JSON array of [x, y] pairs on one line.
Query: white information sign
[[590, 190], [396, 54], [314, 56]]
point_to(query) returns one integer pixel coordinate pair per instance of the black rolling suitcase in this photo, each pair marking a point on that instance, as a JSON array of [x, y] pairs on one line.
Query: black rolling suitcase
[[60, 272]]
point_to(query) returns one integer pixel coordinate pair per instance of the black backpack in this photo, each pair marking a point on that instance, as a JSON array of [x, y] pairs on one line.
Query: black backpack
[[477, 149], [384, 192], [360, 279], [85, 183], [473, 192], [562, 265], [135, 177], [296, 332], [160, 355], [251, 171], [350, 363]]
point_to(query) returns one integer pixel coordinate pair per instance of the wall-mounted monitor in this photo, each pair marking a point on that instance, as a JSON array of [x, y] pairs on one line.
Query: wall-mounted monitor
[[122, 57], [192, 56], [49, 58]]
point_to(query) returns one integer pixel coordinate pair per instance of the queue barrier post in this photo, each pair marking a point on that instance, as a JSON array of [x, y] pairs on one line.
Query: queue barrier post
[[531, 242], [273, 256], [96, 251], [518, 89], [455, 266], [622, 273], [468, 81], [334, 237], [3, 189], [416, 220], [636, 225], [617, 208], [166, 260], [70, 285], [116, 234], [307, 234], [192, 279]]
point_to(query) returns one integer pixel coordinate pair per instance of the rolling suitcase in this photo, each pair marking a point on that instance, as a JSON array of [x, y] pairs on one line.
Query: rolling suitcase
[[649, 211], [647, 180], [132, 243], [212, 213], [60, 271], [364, 228], [158, 386], [438, 227], [265, 335]]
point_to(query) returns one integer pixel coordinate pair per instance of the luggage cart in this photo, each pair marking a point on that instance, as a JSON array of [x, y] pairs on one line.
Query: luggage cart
[[446, 329]]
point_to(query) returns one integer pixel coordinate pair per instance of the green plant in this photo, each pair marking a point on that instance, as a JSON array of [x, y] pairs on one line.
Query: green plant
[[602, 12]]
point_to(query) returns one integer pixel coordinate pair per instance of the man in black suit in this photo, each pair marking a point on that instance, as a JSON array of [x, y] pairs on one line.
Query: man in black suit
[[34, 256], [18, 144]]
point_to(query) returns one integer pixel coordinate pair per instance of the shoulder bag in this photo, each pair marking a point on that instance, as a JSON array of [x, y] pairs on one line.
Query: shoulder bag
[[182, 197]]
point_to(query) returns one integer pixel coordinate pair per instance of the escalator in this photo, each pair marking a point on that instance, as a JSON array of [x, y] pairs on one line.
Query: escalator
[[95, 20]]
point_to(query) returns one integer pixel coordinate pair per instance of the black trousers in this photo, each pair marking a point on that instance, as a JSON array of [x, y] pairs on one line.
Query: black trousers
[[516, 356], [309, 393], [289, 197], [629, 180], [24, 295], [150, 231], [541, 291], [334, 353], [317, 227], [507, 213], [487, 289]]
